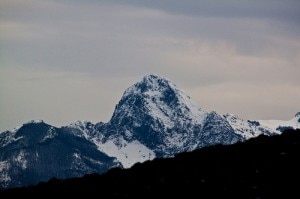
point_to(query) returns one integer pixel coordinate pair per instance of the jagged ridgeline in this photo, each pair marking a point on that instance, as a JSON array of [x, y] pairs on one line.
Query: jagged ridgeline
[[262, 167], [154, 118]]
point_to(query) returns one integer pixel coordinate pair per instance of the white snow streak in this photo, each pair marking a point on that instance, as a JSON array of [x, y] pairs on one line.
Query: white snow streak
[[20, 159], [50, 134], [4, 177]]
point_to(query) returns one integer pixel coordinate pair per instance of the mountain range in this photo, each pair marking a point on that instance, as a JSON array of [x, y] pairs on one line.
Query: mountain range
[[153, 119], [261, 167]]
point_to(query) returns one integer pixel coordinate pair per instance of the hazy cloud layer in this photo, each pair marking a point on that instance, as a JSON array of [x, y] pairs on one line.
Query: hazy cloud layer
[[63, 60]]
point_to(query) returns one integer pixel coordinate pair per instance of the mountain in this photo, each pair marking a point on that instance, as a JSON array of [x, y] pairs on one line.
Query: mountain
[[159, 116], [247, 128], [279, 125], [261, 167], [252, 128], [154, 118], [37, 152]]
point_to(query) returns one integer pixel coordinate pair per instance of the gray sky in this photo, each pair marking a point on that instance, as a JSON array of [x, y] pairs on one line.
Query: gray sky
[[68, 60]]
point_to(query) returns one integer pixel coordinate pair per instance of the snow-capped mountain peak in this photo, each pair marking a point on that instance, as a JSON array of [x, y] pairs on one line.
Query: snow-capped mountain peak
[[154, 118], [150, 84], [158, 98], [160, 116], [34, 122]]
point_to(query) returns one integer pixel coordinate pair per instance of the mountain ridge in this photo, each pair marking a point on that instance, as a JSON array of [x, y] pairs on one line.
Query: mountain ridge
[[261, 167], [153, 119]]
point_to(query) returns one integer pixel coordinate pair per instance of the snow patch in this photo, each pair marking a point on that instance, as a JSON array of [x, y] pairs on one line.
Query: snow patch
[[9, 138], [76, 156], [51, 133], [34, 122], [14, 130], [193, 111], [159, 111], [275, 124], [243, 127], [85, 128], [4, 177], [95, 162], [20, 159], [79, 161], [78, 164], [128, 153], [175, 140]]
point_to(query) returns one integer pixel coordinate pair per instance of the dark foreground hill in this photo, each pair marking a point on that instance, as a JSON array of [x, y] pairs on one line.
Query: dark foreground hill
[[262, 167]]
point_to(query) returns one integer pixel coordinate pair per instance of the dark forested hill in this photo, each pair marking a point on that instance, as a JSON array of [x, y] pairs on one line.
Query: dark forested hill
[[261, 167]]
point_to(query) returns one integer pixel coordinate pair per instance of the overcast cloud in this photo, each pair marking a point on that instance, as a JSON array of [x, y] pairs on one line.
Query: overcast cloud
[[63, 60]]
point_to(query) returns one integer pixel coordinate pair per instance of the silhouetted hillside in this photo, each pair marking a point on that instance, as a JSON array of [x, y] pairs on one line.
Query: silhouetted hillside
[[263, 167]]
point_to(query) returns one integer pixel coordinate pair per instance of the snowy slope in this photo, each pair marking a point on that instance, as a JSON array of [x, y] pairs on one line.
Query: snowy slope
[[246, 128], [279, 125], [128, 153]]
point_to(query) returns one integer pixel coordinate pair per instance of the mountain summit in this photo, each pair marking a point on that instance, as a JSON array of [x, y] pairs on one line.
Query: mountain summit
[[154, 118], [155, 111], [161, 117], [159, 99]]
